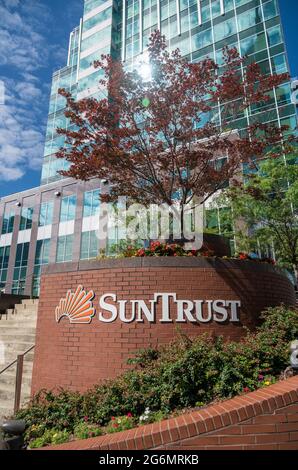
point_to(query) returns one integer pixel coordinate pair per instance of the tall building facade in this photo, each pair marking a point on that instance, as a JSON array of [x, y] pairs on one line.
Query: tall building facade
[[57, 221]]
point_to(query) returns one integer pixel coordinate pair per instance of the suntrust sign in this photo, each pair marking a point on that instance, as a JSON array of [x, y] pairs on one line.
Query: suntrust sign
[[78, 308]]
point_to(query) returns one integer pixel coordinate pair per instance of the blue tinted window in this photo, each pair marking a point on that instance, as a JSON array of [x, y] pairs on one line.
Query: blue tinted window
[[91, 203], [68, 208]]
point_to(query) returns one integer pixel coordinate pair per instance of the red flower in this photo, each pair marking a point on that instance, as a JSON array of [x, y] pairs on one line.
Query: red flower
[[246, 390], [113, 418], [129, 415]]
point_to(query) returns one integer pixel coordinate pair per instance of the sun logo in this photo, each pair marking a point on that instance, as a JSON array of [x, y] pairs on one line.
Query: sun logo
[[78, 306]]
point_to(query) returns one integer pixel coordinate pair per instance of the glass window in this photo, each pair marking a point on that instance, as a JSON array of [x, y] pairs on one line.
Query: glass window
[[274, 35], [26, 218], [283, 94], [216, 9], [202, 39], [96, 38], [88, 61], [20, 269], [64, 248], [91, 80], [98, 18], [92, 4], [225, 29], [229, 5], [89, 245], [91, 203], [46, 214], [238, 3], [42, 254], [68, 208], [279, 64], [211, 220], [42, 257], [8, 221], [249, 18], [4, 259], [253, 44], [270, 9]]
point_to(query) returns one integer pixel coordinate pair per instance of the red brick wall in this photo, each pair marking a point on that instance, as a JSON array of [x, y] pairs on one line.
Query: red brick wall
[[77, 356], [263, 420]]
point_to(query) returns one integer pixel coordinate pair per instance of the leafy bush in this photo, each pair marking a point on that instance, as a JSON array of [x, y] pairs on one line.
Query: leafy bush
[[185, 373], [121, 423], [51, 436], [84, 430]]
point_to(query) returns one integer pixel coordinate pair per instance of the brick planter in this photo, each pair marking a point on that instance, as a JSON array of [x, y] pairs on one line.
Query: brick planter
[[266, 419], [76, 356]]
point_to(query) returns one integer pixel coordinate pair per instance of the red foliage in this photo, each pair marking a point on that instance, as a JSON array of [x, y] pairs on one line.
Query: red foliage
[[142, 137]]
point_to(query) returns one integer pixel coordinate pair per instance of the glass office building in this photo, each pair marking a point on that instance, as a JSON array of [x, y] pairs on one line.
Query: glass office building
[[57, 221]]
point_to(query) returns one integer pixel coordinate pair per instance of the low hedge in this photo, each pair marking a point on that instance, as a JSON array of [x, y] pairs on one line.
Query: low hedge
[[186, 373]]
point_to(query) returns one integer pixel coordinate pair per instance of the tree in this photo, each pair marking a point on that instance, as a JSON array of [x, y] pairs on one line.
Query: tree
[[156, 139], [268, 203]]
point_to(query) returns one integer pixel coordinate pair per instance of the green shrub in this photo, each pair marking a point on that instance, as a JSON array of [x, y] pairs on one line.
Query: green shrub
[[50, 436], [85, 430], [185, 373], [120, 423]]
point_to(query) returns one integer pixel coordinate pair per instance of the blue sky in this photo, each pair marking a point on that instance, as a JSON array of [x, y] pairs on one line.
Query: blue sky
[[34, 38], [33, 43]]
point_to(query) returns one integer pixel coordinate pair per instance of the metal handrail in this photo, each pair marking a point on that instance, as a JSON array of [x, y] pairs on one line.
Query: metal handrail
[[16, 360], [19, 377]]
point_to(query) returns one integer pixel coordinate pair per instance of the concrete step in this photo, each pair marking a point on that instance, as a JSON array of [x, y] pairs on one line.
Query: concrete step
[[11, 330], [10, 380], [17, 337], [16, 313], [18, 323], [29, 302], [17, 334], [6, 411], [11, 355]]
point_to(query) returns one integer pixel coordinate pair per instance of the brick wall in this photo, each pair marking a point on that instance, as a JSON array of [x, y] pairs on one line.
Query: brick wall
[[77, 356], [263, 420]]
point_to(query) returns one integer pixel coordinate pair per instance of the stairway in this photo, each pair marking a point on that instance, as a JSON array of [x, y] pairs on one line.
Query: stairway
[[17, 334]]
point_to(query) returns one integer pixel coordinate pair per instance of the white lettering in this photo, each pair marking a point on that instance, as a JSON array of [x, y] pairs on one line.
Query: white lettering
[[184, 309], [180, 311], [234, 310], [110, 308], [220, 312], [165, 306], [143, 309]]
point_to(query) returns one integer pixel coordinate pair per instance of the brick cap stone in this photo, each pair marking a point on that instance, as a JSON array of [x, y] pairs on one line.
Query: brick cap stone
[[215, 417], [215, 263]]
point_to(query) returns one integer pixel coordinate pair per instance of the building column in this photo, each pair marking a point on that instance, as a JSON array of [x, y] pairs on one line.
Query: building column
[[13, 250], [32, 247], [76, 249], [55, 225]]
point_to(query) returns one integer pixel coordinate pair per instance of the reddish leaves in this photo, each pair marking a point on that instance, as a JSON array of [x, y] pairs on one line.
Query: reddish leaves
[[152, 139]]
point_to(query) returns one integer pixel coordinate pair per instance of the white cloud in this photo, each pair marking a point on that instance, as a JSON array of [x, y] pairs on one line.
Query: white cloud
[[24, 51]]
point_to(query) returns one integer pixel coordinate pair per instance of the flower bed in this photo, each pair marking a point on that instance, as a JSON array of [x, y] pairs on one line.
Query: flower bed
[[158, 248], [155, 388]]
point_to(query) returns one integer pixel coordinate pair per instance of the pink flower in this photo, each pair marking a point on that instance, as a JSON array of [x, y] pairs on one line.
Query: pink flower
[[129, 415], [86, 418]]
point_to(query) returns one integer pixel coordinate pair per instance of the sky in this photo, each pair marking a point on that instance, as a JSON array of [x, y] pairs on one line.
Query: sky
[[34, 38]]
